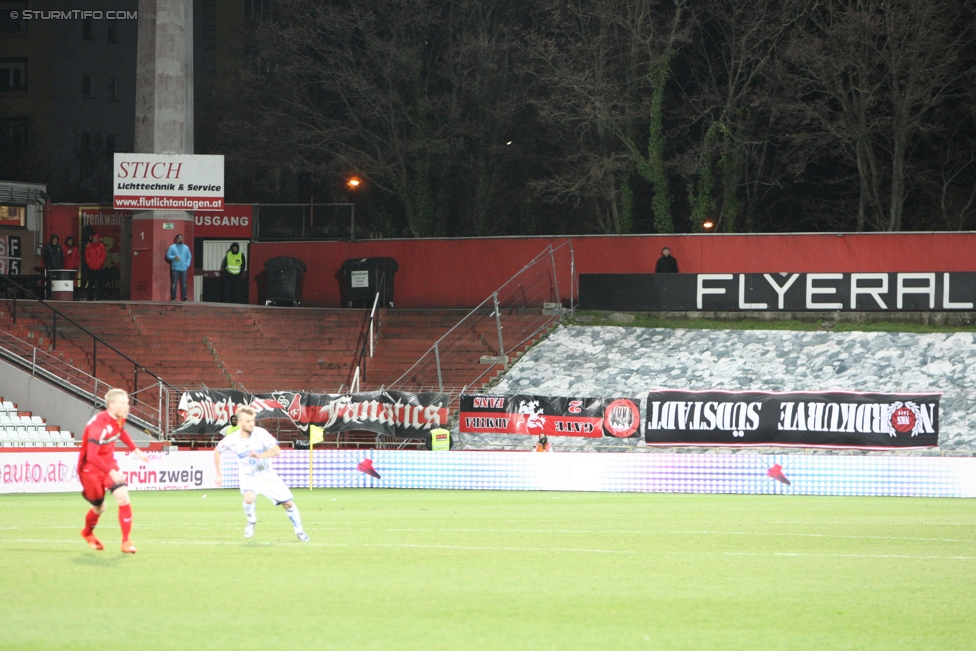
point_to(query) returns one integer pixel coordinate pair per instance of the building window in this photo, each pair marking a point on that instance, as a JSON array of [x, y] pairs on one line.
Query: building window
[[12, 26], [209, 24], [113, 31], [13, 75], [13, 216], [88, 29], [257, 9], [13, 135], [113, 88], [110, 144], [86, 143], [86, 86]]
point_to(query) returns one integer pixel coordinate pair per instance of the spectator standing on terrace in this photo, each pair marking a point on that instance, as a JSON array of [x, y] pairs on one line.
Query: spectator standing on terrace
[[52, 254], [95, 256], [72, 257], [231, 271], [71, 254], [179, 257], [543, 444], [254, 448], [53, 258], [666, 264], [98, 470]]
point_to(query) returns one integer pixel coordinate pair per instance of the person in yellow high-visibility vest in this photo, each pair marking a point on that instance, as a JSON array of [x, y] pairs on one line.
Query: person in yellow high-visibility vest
[[233, 427], [231, 271], [440, 439]]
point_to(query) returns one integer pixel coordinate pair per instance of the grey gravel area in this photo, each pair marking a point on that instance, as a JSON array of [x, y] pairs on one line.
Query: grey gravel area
[[628, 362]]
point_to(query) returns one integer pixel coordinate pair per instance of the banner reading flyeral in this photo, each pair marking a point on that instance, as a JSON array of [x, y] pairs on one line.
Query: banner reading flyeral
[[802, 419], [168, 182], [552, 416], [395, 413]]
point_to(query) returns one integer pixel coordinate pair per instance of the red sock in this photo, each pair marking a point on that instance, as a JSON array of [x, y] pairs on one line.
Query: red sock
[[91, 519], [125, 520]]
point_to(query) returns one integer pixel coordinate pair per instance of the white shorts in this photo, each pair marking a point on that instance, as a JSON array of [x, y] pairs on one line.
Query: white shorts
[[268, 484]]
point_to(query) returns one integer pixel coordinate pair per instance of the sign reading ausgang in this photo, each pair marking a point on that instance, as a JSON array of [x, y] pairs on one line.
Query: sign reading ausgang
[[794, 292], [234, 221], [168, 182], [830, 419]]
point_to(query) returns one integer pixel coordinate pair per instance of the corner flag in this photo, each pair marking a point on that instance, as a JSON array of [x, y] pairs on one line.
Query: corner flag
[[315, 434]]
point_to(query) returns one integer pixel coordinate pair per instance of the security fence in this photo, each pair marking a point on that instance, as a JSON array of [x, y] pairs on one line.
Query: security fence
[[498, 330]]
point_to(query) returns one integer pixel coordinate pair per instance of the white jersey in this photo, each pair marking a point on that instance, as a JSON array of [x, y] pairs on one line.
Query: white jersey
[[259, 441]]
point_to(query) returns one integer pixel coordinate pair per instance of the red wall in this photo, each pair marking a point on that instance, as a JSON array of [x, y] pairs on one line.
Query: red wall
[[463, 272]]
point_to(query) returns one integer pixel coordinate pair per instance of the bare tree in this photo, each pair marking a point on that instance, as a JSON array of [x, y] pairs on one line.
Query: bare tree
[[735, 119], [872, 72], [346, 88], [486, 113], [599, 63]]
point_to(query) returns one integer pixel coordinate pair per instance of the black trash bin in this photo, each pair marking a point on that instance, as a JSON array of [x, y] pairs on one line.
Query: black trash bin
[[283, 280], [361, 279]]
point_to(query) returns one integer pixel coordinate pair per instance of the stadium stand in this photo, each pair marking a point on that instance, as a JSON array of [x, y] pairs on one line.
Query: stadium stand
[[628, 362], [263, 349], [20, 429]]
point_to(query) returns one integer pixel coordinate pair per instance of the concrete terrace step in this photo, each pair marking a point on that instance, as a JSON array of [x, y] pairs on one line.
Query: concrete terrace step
[[262, 348]]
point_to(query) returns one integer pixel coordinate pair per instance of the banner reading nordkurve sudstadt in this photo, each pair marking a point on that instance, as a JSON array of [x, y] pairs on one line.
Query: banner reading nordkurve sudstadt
[[395, 413], [552, 416], [830, 418]]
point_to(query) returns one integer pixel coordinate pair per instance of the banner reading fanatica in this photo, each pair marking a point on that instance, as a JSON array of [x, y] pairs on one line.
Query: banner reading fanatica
[[552, 416], [395, 413], [829, 419]]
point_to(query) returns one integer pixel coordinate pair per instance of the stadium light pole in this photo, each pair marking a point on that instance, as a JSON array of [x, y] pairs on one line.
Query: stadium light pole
[[353, 183]]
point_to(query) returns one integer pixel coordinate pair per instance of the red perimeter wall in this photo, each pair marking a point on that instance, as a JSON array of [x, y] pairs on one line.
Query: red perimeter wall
[[463, 272]]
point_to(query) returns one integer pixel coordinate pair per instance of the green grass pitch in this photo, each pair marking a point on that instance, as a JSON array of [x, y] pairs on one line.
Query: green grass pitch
[[391, 569]]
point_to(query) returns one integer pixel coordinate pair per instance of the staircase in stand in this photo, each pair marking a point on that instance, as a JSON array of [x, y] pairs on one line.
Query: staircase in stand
[[260, 348]]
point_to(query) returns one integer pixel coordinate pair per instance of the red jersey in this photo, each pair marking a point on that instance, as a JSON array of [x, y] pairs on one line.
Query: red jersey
[[72, 257], [98, 445], [95, 255]]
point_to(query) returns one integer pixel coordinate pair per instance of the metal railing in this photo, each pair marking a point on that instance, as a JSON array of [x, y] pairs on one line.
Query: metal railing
[[84, 381], [146, 404], [365, 343], [525, 306], [304, 221]]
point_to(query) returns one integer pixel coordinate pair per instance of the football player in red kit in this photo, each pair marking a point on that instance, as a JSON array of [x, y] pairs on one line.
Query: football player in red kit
[[98, 470]]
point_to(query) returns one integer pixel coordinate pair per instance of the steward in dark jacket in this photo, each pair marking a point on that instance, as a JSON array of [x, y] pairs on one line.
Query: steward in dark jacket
[[666, 264]]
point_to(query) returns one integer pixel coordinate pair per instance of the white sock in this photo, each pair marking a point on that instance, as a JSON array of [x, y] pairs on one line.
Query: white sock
[[251, 511], [295, 517]]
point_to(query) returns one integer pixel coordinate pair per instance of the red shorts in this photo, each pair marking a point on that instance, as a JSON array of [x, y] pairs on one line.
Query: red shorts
[[94, 483]]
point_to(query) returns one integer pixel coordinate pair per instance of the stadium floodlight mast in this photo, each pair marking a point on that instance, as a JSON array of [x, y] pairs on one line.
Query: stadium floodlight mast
[[708, 225], [353, 182]]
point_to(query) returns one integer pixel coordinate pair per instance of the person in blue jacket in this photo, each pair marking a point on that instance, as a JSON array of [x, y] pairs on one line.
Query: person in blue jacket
[[179, 257]]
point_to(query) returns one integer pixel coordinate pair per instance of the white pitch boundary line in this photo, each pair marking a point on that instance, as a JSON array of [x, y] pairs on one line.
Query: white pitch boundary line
[[555, 531], [298, 545]]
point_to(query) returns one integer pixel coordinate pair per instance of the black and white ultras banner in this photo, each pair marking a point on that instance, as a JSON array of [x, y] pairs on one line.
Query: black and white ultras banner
[[394, 413], [831, 419]]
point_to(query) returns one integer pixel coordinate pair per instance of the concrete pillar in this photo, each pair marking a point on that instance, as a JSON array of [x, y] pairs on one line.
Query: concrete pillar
[[164, 125]]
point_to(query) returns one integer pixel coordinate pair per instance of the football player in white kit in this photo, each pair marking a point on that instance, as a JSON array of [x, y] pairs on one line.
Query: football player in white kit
[[255, 447]]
